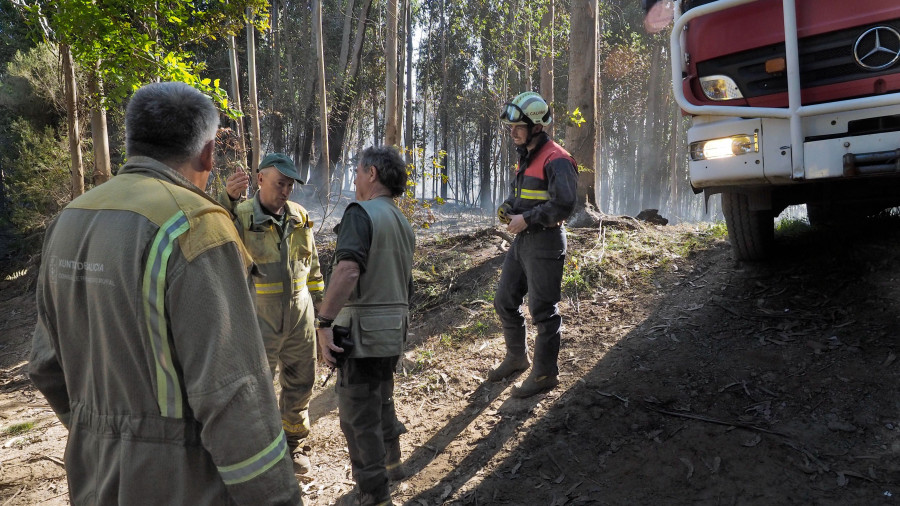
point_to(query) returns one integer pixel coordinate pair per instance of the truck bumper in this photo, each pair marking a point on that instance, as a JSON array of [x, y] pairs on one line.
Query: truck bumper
[[837, 146]]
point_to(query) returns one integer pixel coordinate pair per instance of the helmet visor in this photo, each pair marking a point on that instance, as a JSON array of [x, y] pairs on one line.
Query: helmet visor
[[513, 114]]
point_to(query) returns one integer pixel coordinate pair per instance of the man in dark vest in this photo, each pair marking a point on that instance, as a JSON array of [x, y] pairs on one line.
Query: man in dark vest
[[542, 197], [368, 292]]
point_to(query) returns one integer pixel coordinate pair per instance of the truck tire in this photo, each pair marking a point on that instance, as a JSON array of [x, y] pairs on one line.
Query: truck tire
[[752, 233]]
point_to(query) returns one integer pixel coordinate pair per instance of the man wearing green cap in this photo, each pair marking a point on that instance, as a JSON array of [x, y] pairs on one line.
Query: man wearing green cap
[[279, 236]]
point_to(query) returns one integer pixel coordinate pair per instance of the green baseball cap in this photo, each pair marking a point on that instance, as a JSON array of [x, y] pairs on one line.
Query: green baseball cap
[[283, 163]]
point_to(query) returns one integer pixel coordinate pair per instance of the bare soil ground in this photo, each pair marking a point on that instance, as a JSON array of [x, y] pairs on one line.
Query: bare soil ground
[[686, 378]]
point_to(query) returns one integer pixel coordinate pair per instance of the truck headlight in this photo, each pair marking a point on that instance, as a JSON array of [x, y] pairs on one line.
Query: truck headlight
[[720, 88], [724, 147]]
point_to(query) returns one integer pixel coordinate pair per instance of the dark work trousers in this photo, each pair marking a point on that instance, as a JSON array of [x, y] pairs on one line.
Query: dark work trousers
[[533, 265], [365, 392]]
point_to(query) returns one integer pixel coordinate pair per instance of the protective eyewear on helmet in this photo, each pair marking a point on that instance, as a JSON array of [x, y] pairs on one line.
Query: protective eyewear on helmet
[[513, 113]]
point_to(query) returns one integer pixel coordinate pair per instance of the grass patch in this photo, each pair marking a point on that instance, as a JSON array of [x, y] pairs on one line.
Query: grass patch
[[792, 226], [17, 429]]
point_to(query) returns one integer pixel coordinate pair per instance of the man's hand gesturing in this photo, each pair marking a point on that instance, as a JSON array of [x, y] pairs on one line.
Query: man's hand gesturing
[[237, 184]]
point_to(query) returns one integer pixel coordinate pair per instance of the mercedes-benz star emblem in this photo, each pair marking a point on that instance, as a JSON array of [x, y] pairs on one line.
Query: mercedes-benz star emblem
[[877, 48]]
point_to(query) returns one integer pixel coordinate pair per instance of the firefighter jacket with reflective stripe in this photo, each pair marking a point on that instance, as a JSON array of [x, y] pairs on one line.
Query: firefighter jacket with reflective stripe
[[543, 190], [147, 348], [285, 253], [378, 310]]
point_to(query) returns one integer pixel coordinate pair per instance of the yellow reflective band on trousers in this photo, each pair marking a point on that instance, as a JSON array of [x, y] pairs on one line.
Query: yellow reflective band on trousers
[[168, 389], [534, 194], [255, 465], [273, 288]]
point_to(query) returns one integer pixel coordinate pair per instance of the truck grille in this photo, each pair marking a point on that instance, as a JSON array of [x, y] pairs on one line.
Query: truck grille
[[824, 59]]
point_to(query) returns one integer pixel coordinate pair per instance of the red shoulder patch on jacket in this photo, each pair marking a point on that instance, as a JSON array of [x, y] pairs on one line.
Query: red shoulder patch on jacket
[[551, 151]]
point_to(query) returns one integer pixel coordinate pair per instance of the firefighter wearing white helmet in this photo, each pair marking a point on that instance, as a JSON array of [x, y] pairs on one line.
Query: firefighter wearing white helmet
[[542, 197]]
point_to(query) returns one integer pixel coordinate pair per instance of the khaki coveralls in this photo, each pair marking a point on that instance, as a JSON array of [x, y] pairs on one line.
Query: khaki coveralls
[[291, 278]]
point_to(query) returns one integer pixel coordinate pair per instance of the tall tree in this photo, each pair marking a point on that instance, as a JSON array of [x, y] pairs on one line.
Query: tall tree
[[347, 86], [255, 143], [581, 138], [277, 134], [410, 142], [77, 166], [547, 52], [324, 166], [391, 132], [99, 132], [236, 99], [128, 44], [445, 98]]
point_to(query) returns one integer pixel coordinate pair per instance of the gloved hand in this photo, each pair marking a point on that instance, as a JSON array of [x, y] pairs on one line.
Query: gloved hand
[[503, 213]]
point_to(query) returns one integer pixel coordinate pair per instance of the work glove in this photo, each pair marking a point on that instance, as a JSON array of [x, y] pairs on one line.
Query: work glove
[[503, 213]]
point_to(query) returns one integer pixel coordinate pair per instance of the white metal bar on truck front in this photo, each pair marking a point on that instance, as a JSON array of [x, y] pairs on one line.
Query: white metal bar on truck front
[[792, 57], [795, 109]]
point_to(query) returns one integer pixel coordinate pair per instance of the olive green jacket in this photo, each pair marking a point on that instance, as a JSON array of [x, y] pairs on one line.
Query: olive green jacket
[[147, 348]]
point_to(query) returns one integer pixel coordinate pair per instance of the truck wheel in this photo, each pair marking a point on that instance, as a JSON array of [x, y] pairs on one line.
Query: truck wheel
[[752, 233]]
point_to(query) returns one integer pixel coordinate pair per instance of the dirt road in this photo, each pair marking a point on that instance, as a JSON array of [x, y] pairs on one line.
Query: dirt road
[[687, 379]]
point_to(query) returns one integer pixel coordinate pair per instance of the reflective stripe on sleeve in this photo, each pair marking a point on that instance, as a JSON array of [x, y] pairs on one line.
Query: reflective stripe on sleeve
[[168, 388], [255, 465], [316, 286], [275, 288], [535, 194], [269, 288]]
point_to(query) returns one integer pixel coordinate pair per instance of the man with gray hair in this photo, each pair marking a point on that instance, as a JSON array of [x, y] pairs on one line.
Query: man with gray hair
[[368, 293], [146, 344]]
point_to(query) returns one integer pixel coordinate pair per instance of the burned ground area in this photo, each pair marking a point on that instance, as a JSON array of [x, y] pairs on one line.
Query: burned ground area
[[686, 378]]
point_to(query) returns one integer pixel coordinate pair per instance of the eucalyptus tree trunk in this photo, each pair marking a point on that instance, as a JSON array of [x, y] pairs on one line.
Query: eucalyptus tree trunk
[[305, 107], [254, 102], [323, 168], [77, 167], [649, 149], [277, 134], [236, 100], [485, 134], [306, 149], [347, 89], [345, 37], [547, 26], [391, 133], [99, 132], [410, 142], [445, 85], [583, 87], [401, 61]]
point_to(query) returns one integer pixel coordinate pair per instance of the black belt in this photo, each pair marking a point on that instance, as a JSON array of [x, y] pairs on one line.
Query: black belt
[[539, 228]]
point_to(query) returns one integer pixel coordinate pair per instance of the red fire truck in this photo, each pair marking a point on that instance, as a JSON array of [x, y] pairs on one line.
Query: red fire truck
[[793, 102]]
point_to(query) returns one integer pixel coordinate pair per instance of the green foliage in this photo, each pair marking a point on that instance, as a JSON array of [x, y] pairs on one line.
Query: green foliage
[[33, 143], [575, 118], [792, 226], [424, 359], [705, 235], [417, 211], [581, 273], [36, 174], [142, 40], [717, 230], [18, 429], [31, 87]]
